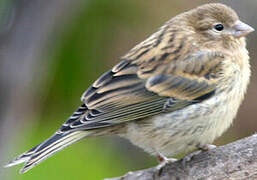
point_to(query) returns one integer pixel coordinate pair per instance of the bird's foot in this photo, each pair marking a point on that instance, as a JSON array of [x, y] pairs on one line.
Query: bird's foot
[[189, 157], [206, 147], [164, 160]]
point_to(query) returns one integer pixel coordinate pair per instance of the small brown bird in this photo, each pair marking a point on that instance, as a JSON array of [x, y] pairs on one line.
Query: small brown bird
[[176, 91]]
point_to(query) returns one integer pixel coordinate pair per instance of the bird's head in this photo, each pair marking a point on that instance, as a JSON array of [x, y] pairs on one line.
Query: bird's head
[[217, 23]]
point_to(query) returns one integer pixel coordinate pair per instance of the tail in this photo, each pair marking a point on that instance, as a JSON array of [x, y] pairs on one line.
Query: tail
[[46, 149]]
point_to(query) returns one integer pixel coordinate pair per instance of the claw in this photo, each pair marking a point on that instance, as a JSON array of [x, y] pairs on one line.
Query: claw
[[164, 161], [189, 157], [206, 147]]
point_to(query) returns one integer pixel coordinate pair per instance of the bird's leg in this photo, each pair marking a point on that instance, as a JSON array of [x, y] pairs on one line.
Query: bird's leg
[[164, 160], [205, 147]]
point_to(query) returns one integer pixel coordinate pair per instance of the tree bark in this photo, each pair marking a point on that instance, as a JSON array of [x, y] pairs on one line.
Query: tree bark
[[234, 161]]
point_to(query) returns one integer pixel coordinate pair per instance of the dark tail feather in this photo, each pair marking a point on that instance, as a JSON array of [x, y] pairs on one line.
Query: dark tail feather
[[46, 149]]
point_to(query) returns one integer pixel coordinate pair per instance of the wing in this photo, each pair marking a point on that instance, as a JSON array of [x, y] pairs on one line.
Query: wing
[[132, 90]]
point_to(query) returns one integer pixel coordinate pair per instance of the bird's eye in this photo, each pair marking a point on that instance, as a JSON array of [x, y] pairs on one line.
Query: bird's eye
[[219, 27]]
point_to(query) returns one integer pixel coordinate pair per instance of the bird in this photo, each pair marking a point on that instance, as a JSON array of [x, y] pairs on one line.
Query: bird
[[176, 91]]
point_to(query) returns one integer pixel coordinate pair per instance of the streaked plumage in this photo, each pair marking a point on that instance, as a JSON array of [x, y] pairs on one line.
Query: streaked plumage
[[178, 89]]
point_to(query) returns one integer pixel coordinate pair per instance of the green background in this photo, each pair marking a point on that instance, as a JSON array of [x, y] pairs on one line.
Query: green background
[[74, 56]]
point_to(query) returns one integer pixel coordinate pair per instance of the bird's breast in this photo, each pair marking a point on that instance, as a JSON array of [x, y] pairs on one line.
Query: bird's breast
[[200, 123]]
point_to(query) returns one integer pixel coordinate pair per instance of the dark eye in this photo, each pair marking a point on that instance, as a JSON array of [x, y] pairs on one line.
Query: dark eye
[[219, 27]]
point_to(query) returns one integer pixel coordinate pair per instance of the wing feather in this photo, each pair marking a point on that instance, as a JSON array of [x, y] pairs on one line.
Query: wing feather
[[130, 91]]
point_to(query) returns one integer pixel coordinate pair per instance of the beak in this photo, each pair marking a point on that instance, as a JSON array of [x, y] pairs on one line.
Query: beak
[[242, 29]]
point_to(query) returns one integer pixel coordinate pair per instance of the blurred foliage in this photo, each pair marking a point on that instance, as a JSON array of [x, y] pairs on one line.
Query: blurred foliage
[[79, 55], [5, 6]]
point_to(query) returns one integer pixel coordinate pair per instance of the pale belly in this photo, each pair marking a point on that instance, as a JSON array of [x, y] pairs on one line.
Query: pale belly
[[183, 130], [197, 124]]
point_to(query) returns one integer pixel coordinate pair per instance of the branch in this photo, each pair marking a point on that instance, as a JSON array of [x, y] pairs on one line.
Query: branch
[[234, 161]]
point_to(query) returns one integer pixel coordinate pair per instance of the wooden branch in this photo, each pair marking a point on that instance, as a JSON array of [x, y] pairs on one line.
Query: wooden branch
[[234, 161]]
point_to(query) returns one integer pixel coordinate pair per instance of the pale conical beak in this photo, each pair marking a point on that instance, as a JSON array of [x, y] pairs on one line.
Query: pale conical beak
[[242, 29]]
